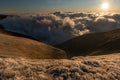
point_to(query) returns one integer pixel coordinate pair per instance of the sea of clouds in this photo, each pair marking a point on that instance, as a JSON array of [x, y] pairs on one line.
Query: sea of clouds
[[55, 28]]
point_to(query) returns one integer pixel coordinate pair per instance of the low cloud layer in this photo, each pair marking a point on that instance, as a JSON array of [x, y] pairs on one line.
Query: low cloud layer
[[58, 27]]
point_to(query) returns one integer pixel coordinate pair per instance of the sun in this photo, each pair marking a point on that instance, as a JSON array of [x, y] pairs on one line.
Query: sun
[[105, 6]]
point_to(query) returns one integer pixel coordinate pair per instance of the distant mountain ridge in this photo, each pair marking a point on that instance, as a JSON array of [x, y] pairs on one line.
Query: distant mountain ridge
[[93, 44]]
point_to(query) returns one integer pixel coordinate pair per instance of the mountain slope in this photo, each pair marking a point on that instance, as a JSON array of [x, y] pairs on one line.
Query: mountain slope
[[3, 16], [93, 44], [13, 46], [105, 67]]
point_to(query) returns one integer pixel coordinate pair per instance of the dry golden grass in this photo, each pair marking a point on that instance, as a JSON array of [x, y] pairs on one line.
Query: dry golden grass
[[14, 46], [106, 67]]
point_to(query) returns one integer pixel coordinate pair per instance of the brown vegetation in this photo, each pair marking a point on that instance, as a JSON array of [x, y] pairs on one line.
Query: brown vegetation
[[14, 46], [93, 44]]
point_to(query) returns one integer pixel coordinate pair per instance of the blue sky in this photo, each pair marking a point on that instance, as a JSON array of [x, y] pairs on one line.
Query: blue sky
[[53, 5]]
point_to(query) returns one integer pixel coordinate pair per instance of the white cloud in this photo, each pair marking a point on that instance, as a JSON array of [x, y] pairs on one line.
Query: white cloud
[[68, 22], [44, 21], [59, 27]]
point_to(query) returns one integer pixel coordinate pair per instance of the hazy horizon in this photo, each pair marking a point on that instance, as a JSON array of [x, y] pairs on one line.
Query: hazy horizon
[[36, 6]]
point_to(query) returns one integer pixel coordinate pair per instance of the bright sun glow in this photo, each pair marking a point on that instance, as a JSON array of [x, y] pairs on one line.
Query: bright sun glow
[[105, 6]]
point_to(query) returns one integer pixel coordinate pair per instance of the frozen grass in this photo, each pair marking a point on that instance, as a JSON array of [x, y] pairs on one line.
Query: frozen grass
[[105, 67]]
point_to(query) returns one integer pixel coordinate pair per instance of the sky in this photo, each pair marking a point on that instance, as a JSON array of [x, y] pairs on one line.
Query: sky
[[54, 5]]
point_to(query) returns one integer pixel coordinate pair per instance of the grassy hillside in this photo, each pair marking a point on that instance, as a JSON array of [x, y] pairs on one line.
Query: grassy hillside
[[93, 44], [14, 46], [106, 67]]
